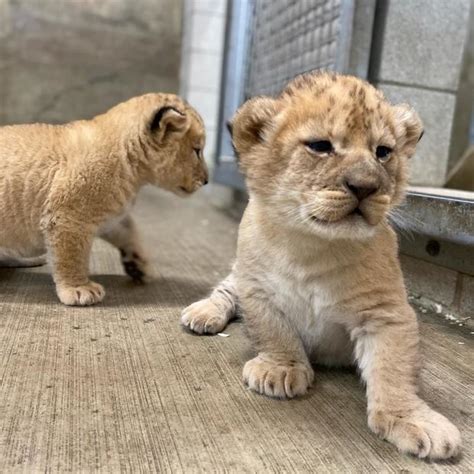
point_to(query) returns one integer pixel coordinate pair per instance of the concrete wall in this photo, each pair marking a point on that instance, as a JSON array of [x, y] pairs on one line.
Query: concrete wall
[[63, 60], [417, 59], [201, 64], [442, 290]]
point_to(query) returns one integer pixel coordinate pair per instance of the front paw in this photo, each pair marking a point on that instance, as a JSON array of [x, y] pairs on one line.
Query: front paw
[[137, 267], [285, 379], [204, 317], [424, 432], [83, 295]]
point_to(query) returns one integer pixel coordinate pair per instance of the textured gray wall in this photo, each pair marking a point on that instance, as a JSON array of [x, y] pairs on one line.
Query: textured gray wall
[[418, 59], [62, 60], [463, 126]]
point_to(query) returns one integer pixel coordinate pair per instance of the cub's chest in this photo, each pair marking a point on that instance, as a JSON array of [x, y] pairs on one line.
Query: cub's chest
[[308, 300]]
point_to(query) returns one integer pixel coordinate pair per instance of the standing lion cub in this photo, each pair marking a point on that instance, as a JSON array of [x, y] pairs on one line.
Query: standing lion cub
[[317, 276], [62, 185]]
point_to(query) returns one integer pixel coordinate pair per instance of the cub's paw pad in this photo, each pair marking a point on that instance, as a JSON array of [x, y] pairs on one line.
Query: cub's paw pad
[[137, 267], [424, 433], [277, 379], [83, 295], [203, 317]]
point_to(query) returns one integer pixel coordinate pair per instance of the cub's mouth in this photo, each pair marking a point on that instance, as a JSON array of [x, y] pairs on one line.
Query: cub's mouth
[[182, 191], [356, 212], [352, 215]]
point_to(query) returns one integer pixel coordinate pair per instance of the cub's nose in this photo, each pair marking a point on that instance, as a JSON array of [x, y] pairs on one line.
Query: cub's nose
[[361, 190]]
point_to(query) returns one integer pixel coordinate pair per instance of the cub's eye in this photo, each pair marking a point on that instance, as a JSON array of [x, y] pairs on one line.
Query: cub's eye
[[383, 153], [320, 146], [198, 153]]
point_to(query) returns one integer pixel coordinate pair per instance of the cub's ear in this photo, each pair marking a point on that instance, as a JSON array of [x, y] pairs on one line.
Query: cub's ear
[[168, 120], [410, 127], [249, 122]]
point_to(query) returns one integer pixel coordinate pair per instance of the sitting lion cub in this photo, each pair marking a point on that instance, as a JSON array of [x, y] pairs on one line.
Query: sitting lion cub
[[62, 185], [317, 275]]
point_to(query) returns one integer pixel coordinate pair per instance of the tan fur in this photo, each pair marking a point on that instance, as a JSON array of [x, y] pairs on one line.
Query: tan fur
[[316, 281], [62, 185]]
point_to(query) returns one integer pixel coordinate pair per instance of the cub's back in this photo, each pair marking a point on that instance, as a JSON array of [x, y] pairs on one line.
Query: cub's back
[[27, 164], [23, 146]]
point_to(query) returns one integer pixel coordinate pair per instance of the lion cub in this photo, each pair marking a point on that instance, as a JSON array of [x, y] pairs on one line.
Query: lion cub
[[317, 276], [60, 186]]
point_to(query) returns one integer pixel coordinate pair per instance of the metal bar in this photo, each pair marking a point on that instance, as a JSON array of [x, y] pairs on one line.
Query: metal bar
[[438, 229], [361, 42], [443, 217], [228, 174], [345, 36], [237, 41]]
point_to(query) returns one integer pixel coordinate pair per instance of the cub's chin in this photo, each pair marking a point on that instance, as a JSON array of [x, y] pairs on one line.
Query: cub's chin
[[180, 191]]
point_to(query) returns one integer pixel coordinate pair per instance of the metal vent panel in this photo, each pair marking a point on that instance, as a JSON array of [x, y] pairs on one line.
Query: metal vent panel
[[291, 37]]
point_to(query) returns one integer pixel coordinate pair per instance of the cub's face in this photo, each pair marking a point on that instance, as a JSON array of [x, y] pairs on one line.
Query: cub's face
[[173, 142], [328, 156], [189, 166]]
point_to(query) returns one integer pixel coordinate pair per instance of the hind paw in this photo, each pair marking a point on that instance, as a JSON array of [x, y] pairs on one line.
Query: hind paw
[[137, 267]]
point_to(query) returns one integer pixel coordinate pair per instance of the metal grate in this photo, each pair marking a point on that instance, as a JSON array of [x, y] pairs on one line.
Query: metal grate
[[291, 37]]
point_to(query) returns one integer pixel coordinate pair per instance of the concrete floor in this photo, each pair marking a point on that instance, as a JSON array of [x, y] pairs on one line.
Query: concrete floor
[[121, 387]]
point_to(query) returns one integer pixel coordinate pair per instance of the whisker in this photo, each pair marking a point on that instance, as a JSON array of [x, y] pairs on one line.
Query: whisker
[[400, 223]]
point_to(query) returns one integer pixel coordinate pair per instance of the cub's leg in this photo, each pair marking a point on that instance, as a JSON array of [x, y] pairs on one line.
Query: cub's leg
[[212, 314], [387, 354], [123, 234], [281, 368], [70, 245]]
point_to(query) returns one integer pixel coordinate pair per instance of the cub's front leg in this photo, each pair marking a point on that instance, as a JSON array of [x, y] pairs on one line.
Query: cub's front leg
[[281, 368], [69, 244], [123, 234], [386, 348]]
